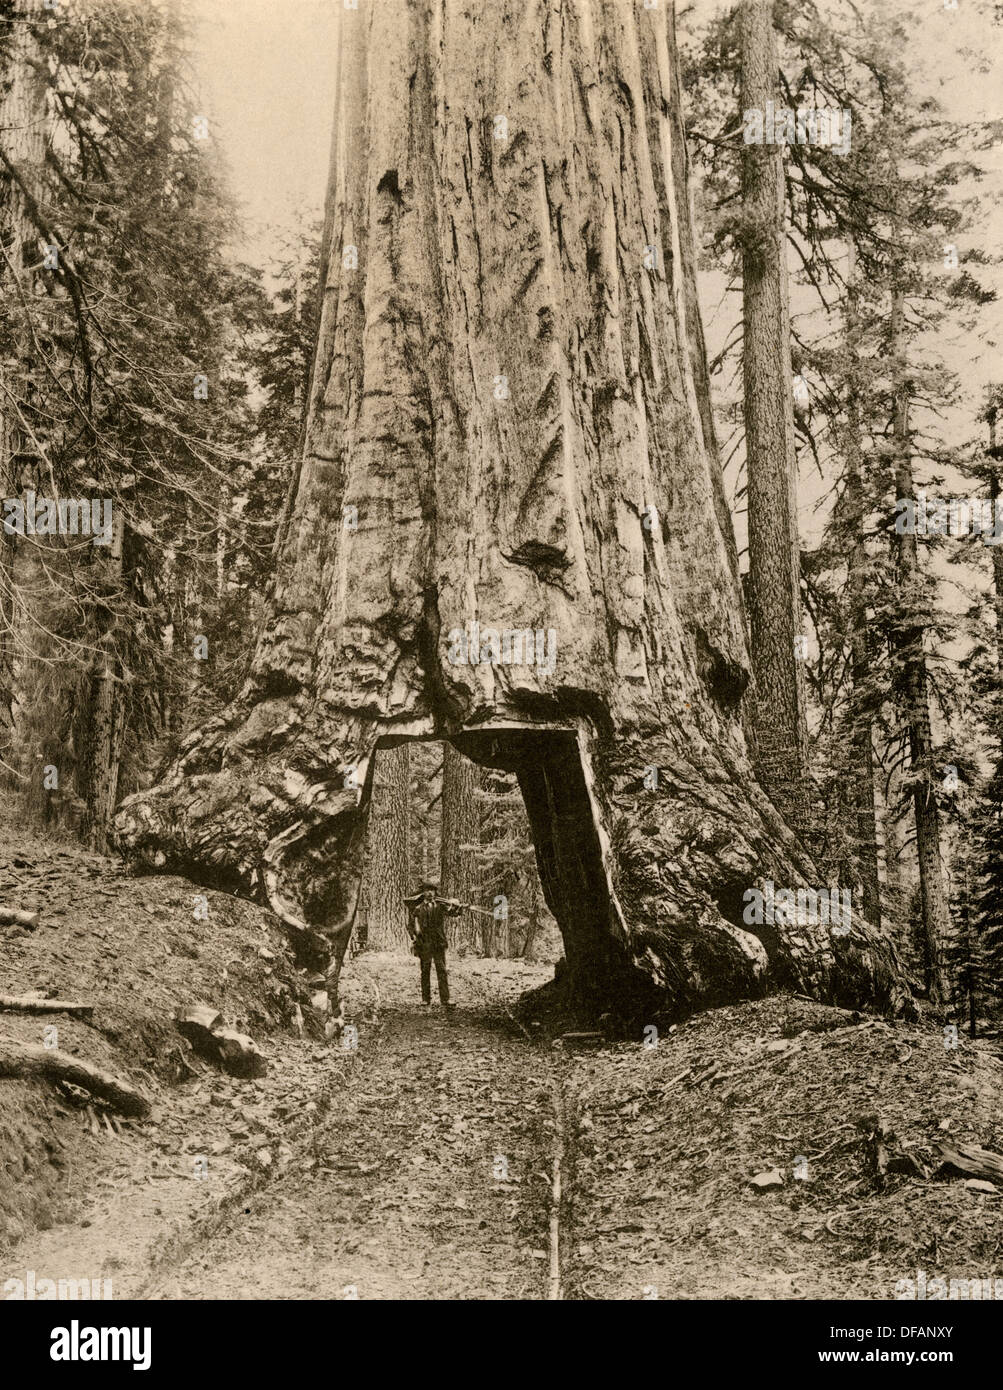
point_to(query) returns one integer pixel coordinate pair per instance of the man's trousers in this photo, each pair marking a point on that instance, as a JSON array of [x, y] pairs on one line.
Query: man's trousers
[[442, 979]]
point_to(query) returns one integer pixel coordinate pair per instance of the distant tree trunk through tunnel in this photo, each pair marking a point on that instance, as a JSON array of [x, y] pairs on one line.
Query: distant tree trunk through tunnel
[[568, 851], [459, 820], [509, 529]]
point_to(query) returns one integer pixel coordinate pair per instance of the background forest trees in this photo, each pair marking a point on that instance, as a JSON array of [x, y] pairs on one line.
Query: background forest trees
[[886, 250], [132, 332]]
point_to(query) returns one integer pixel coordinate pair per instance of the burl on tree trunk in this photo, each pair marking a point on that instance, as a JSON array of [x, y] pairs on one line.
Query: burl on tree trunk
[[509, 426]]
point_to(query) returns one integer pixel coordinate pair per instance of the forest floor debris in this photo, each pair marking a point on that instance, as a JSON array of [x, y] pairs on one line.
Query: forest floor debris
[[770, 1088], [773, 1149]]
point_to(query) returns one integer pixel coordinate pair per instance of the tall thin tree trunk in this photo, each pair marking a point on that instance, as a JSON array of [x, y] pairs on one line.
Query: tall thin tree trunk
[[184, 582], [425, 851], [180, 578], [862, 753], [22, 136], [894, 837], [460, 829], [970, 944], [915, 698], [98, 768], [775, 613], [997, 550], [387, 878]]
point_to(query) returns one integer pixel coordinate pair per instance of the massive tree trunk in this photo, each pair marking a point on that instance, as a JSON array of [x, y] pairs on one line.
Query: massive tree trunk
[[510, 388], [775, 615]]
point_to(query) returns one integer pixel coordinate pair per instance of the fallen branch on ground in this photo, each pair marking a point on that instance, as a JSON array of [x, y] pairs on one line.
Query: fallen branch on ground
[[30, 1004], [13, 917], [578, 1040], [26, 1061], [970, 1159]]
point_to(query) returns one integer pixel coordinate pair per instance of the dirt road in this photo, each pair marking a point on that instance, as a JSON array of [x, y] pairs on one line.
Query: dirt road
[[430, 1179]]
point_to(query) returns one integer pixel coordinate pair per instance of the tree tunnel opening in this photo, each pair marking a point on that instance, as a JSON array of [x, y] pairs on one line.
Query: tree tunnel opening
[[554, 884], [435, 815]]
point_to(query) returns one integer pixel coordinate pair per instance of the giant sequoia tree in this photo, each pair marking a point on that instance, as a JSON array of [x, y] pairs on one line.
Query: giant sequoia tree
[[509, 425]]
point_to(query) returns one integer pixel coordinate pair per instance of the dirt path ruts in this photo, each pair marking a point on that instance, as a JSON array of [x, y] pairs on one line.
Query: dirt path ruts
[[431, 1179]]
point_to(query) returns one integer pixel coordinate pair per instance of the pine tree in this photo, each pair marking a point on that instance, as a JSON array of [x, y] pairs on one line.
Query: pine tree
[[774, 581], [133, 369], [460, 834], [386, 876]]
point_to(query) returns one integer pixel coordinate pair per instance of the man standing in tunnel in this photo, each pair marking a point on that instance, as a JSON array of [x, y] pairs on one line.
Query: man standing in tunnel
[[426, 927]]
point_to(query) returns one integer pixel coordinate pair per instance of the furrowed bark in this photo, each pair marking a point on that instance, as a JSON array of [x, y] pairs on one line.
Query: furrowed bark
[[22, 133], [460, 826], [510, 390], [774, 545]]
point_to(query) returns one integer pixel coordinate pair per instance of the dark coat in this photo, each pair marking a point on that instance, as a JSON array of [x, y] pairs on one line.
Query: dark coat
[[428, 927]]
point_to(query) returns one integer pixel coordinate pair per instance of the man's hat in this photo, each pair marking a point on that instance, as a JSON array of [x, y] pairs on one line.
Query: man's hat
[[422, 888]]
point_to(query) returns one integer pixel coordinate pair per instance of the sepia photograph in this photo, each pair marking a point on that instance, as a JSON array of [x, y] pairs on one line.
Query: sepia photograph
[[501, 670]]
